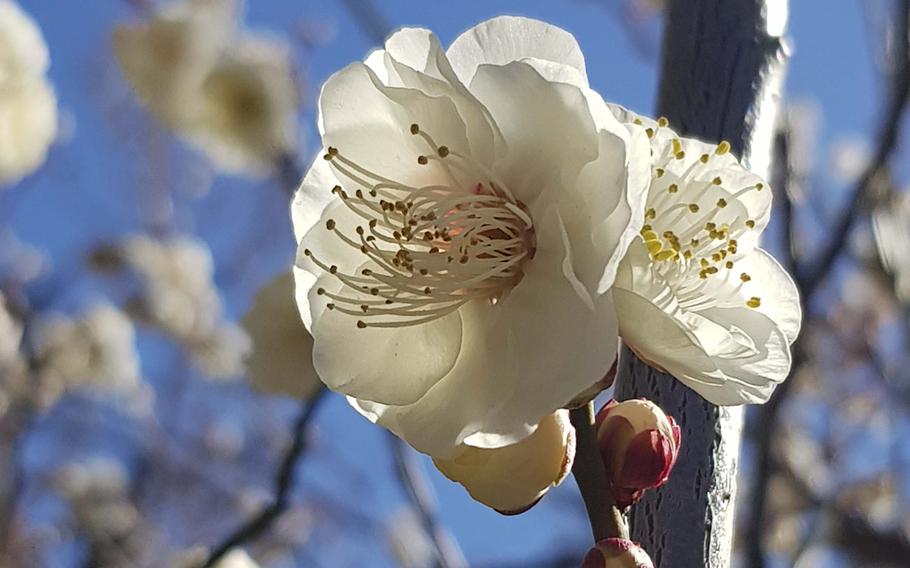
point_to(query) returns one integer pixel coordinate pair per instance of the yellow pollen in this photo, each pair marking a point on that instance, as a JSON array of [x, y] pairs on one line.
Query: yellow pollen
[[753, 302], [637, 122], [680, 155], [759, 186], [704, 158], [722, 148], [663, 122], [649, 132], [745, 277], [721, 202], [673, 188], [693, 207], [717, 181], [729, 264], [665, 255], [750, 223], [677, 146], [710, 226], [650, 213], [659, 172]]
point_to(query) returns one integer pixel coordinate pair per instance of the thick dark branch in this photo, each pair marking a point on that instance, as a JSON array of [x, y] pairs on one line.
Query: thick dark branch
[[418, 491], [284, 482], [899, 91], [719, 63]]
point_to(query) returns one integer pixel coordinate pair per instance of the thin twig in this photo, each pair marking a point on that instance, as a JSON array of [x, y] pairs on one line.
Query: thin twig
[[412, 479], [887, 143], [284, 482], [373, 23], [591, 476]]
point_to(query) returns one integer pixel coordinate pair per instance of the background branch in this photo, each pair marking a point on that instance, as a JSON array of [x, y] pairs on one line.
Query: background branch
[[284, 482]]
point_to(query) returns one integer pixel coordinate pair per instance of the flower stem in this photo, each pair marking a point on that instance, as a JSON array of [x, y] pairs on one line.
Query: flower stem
[[588, 469]]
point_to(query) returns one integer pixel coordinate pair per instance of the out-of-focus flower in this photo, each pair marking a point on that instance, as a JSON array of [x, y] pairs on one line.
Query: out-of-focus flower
[[512, 479], [892, 235], [166, 59], [96, 489], [456, 276], [849, 156], [695, 295], [617, 553], [231, 96], [28, 106], [246, 120], [281, 360], [95, 351], [639, 445], [180, 297], [13, 380]]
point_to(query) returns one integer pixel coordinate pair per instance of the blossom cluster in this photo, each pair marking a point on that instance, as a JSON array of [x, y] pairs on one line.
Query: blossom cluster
[[28, 106], [230, 95], [178, 295], [481, 228]]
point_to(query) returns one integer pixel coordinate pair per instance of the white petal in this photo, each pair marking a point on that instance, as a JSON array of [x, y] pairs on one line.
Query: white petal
[[546, 153], [508, 38], [521, 359], [512, 478], [389, 366], [778, 293], [370, 124], [313, 196], [414, 59]]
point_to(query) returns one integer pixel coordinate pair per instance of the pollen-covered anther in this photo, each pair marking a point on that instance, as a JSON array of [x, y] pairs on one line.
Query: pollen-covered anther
[[753, 302]]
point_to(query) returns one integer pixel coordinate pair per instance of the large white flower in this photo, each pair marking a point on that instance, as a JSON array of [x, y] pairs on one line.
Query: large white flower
[[460, 235], [695, 295], [28, 107]]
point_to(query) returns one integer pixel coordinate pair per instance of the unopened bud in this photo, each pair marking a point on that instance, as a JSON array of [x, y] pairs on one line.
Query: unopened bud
[[616, 553], [639, 445], [513, 478]]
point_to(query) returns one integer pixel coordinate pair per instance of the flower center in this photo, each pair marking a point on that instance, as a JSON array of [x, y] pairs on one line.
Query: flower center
[[688, 232], [430, 249]]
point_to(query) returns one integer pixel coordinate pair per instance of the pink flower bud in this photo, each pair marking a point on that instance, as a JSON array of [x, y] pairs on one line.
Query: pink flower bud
[[616, 553], [639, 445]]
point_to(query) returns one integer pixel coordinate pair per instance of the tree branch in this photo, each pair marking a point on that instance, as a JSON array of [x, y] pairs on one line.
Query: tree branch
[[899, 89], [284, 482], [588, 469], [720, 70], [418, 491]]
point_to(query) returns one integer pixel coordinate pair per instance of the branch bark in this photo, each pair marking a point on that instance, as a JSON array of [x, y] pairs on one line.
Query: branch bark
[[721, 72]]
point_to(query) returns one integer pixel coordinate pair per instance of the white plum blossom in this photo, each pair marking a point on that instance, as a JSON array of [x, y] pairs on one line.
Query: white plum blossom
[[513, 478], [179, 296], [695, 295], [459, 236], [281, 359], [230, 95], [28, 106]]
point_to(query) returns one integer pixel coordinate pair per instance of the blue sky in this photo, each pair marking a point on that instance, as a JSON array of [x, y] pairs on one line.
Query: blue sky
[[831, 64]]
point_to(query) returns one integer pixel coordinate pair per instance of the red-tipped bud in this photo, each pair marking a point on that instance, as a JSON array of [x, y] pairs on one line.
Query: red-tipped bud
[[616, 553], [639, 445]]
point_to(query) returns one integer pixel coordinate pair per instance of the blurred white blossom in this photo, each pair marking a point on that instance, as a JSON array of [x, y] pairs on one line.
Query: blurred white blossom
[[180, 297], [95, 351], [12, 364], [231, 95], [892, 234], [28, 106], [408, 540], [281, 361], [849, 157], [97, 490]]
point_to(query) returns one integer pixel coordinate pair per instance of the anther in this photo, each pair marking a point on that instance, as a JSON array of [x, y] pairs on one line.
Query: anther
[[729, 264], [330, 224], [361, 324], [721, 202], [722, 148], [333, 269], [750, 223], [659, 172], [422, 160], [415, 128], [320, 291], [673, 188], [704, 158], [745, 277], [753, 302], [662, 122], [717, 181], [443, 151], [693, 207]]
